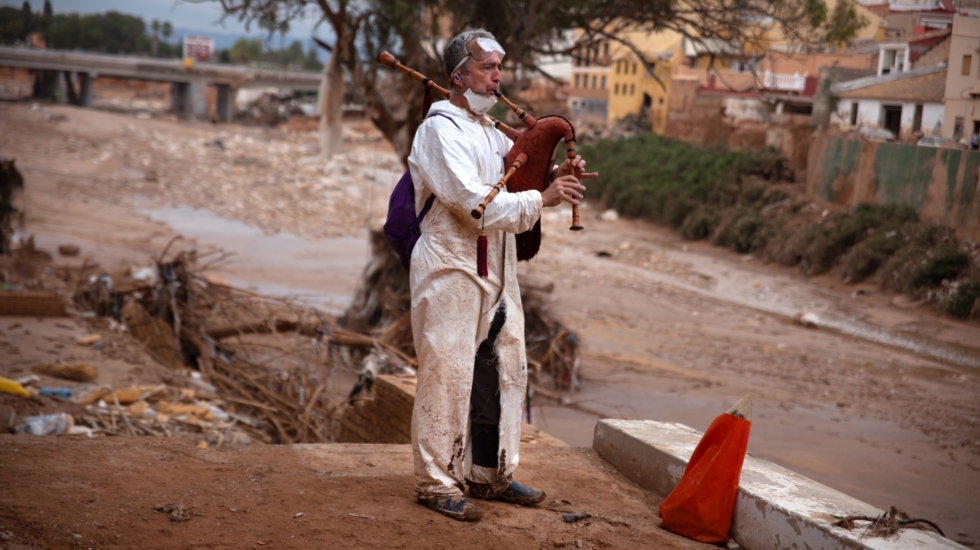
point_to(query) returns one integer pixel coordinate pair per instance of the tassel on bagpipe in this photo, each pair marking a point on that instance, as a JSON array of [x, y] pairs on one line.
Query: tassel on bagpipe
[[537, 143], [481, 255]]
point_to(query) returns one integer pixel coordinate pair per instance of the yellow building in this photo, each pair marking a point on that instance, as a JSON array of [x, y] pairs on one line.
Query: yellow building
[[638, 88], [610, 81]]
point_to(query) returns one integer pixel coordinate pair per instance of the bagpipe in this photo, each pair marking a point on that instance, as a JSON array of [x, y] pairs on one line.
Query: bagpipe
[[530, 160]]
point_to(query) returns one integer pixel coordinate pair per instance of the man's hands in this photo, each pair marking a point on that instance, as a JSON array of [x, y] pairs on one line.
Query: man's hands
[[565, 186], [565, 169]]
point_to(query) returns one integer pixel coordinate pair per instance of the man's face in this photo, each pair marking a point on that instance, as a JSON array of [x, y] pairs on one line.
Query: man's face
[[484, 74]]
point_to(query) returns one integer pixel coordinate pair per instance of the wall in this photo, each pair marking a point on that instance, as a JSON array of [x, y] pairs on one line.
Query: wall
[[966, 32], [741, 109], [932, 118], [938, 53], [16, 83], [869, 115], [943, 185], [790, 134]]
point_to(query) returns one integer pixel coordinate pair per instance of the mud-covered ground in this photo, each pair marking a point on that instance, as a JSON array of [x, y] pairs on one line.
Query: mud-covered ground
[[880, 401], [82, 494]]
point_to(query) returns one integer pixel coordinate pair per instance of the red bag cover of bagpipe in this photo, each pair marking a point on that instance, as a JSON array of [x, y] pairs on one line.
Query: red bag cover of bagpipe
[[701, 505]]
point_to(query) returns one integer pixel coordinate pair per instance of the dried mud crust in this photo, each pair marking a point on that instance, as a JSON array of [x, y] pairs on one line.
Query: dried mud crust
[[60, 494]]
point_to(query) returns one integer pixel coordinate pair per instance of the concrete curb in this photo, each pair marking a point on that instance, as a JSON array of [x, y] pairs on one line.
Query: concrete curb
[[775, 507]]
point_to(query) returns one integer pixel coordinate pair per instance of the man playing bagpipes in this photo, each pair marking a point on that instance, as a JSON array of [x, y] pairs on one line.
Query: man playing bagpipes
[[466, 424]]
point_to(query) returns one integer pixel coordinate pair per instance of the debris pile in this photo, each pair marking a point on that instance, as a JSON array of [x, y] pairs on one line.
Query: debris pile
[[271, 106], [243, 367], [381, 308], [246, 368], [11, 187]]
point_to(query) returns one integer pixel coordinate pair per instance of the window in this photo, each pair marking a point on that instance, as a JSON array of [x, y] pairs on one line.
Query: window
[[617, 67], [854, 114], [603, 83], [633, 87], [616, 89], [958, 127], [593, 82], [967, 65], [634, 68], [576, 80]]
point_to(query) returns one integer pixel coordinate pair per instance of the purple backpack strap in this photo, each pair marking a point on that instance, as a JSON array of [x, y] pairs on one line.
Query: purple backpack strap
[[403, 227]]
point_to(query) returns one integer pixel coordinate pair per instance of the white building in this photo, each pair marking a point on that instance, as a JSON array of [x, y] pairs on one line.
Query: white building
[[904, 103]]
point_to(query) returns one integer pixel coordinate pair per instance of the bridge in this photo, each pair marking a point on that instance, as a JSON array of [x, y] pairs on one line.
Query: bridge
[[188, 80]]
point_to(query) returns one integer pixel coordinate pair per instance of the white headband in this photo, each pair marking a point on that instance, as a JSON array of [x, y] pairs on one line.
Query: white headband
[[482, 45]]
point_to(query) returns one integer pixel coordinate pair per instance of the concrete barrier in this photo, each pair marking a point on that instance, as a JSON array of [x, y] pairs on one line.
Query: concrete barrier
[[775, 508]]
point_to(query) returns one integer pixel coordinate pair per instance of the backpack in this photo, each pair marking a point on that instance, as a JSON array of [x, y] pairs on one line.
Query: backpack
[[402, 227]]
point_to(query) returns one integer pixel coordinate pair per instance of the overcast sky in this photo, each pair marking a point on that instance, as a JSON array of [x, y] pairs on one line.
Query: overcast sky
[[185, 16]]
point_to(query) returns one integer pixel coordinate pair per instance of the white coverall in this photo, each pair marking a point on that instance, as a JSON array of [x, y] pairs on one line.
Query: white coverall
[[453, 307]]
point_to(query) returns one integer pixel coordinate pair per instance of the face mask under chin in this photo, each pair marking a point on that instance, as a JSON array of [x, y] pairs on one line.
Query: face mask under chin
[[479, 103]]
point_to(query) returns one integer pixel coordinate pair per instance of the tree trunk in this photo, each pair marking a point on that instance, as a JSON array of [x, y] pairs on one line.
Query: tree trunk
[[331, 104], [395, 103]]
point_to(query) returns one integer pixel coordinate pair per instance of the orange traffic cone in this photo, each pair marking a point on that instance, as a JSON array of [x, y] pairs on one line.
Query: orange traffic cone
[[701, 505]]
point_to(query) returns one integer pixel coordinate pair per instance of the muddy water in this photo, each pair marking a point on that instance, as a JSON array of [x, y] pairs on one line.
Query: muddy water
[[318, 272]]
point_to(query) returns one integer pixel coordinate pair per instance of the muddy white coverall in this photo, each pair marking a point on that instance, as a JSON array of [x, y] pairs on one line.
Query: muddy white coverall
[[452, 307]]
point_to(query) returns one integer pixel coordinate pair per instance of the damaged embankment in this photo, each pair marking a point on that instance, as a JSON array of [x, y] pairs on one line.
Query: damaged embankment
[[746, 201], [240, 367]]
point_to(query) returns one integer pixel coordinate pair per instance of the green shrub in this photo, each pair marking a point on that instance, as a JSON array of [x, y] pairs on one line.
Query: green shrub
[[904, 271], [700, 223], [942, 265], [835, 238], [744, 230], [964, 300], [667, 180], [866, 257]]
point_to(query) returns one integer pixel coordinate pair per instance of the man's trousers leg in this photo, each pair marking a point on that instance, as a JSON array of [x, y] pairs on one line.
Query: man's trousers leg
[[485, 414]]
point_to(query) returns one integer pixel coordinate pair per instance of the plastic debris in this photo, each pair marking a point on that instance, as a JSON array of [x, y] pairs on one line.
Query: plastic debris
[[47, 424]]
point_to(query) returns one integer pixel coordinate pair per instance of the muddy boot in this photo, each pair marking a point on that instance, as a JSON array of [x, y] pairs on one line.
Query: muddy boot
[[515, 493], [459, 508]]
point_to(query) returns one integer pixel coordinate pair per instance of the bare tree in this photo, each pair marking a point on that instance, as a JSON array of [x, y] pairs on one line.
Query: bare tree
[[344, 18]]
